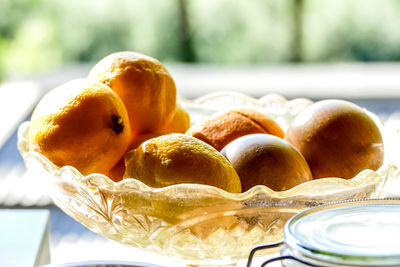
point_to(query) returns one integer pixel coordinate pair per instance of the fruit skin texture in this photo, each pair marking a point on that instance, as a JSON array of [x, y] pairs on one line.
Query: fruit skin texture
[[263, 159], [144, 85], [117, 172], [178, 158], [137, 140], [337, 138], [180, 122], [222, 128], [83, 124]]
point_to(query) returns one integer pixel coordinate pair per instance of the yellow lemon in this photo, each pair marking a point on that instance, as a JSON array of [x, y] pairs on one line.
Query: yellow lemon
[[180, 122], [178, 158], [81, 123]]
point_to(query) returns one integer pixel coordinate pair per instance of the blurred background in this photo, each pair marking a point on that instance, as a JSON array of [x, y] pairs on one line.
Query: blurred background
[[41, 36]]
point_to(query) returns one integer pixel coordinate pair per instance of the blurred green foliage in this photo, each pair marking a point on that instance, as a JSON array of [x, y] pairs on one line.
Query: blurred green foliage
[[40, 35], [351, 30]]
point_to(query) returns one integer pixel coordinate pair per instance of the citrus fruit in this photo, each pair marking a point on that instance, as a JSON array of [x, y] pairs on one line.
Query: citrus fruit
[[222, 128], [264, 159], [117, 172], [180, 122], [337, 138], [178, 158], [81, 123], [137, 140], [144, 85]]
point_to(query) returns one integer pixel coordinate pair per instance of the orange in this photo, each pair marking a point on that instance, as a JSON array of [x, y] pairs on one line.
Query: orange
[[117, 172], [180, 122], [264, 159], [178, 158], [222, 128], [81, 123], [137, 140], [144, 85], [337, 138]]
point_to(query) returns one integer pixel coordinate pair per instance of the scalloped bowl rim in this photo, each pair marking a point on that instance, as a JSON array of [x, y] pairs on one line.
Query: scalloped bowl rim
[[176, 207], [109, 184]]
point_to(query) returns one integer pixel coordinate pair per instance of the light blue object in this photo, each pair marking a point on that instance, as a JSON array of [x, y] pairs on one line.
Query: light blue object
[[353, 233], [24, 238], [365, 230]]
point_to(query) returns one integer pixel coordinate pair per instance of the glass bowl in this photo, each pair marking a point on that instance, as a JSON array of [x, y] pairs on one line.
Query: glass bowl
[[198, 223]]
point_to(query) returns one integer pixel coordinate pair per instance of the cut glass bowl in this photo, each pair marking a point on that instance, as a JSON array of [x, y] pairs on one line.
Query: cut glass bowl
[[200, 223]]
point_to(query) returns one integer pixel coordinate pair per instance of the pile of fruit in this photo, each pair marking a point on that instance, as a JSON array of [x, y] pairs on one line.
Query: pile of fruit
[[123, 121]]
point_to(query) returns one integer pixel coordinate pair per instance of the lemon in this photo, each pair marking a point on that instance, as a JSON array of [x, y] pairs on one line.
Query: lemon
[[180, 159]]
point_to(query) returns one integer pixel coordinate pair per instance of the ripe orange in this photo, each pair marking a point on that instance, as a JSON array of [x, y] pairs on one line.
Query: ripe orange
[[180, 122], [137, 140], [178, 158], [117, 172], [264, 159], [81, 123], [144, 85], [337, 138], [222, 128]]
